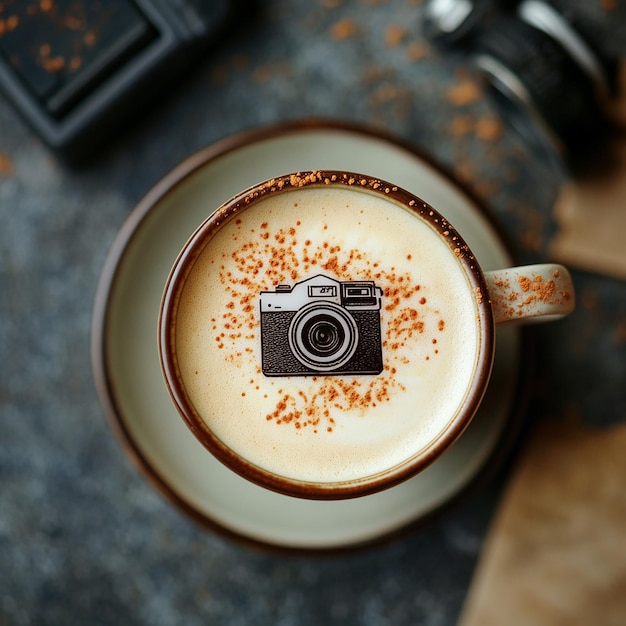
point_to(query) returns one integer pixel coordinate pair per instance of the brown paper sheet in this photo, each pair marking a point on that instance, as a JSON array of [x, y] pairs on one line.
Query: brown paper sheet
[[556, 554], [591, 212], [591, 219]]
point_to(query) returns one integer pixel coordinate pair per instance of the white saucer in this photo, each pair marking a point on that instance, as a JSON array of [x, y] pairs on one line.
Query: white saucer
[[126, 363]]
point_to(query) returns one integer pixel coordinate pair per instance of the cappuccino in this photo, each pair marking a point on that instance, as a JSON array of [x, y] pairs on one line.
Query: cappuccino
[[327, 332]]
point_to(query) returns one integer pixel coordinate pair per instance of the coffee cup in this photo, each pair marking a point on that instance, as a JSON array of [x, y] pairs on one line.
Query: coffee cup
[[328, 335]]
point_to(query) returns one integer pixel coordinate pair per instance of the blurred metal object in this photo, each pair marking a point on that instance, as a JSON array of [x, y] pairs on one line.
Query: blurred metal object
[[541, 65]]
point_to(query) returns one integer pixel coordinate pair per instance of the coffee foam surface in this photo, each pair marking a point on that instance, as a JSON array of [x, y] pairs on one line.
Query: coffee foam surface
[[327, 428]]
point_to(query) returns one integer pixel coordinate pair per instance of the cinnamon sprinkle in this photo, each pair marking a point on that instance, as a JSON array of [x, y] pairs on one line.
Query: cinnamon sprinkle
[[512, 300], [344, 29], [267, 259]]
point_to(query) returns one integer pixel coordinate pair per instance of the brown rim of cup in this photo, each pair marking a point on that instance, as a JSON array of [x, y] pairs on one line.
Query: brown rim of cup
[[312, 490]]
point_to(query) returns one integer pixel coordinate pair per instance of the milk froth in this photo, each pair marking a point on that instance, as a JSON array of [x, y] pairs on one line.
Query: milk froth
[[328, 427]]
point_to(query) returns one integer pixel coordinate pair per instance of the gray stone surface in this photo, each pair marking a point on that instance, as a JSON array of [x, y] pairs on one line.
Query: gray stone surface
[[84, 538]]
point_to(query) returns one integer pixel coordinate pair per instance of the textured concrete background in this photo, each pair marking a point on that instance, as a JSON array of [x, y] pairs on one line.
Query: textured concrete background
[[84, 539]]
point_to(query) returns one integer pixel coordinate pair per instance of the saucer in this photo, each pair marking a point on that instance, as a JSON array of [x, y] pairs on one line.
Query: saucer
[[126, 361]]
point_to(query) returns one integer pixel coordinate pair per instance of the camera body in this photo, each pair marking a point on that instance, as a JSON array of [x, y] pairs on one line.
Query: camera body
[[544, 65], [321, 326]]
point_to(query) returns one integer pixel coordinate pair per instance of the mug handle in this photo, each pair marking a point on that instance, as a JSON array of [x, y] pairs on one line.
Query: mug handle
[[527, 293]]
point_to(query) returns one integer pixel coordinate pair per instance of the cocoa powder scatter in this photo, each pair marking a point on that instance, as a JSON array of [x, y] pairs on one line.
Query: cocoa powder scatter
[[461, 125], [524, 283], [464, 93], [417, 51], [539, 290], [6, 166], [9, 24], [344, 29], [300, 180], [488, 129], [267, 259], [512, 301], [394, 35]]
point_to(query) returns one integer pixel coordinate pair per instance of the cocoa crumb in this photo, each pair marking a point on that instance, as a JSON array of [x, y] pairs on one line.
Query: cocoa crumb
[[6, 166], [53, 64], [461, 125], [543, 291], [488, 129], [466, 92], [9, 24], [394, 36], [300, 180], [417, 51], [344, 29], [524, 283], [509, 304]]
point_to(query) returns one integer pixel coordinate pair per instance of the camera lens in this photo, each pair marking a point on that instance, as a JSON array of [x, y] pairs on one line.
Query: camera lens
[[323, 336]]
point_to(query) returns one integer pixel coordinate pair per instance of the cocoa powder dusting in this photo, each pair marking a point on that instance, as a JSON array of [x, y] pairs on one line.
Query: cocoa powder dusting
[[6, 166], [464, 93], [538, 289], [344, 29], [511, 300], [394, 35], [267, 259]]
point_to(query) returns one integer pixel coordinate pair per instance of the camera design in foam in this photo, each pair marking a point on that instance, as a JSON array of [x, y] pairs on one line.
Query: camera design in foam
[[321, 326]]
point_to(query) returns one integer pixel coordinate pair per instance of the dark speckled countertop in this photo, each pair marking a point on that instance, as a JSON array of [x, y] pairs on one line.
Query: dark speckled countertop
[[84, 538]]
